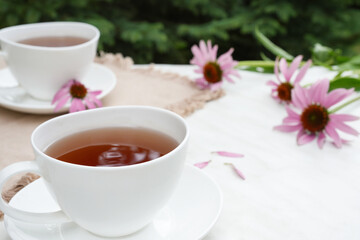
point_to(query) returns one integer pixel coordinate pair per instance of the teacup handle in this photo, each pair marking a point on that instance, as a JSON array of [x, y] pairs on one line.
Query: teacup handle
[[21, 167]]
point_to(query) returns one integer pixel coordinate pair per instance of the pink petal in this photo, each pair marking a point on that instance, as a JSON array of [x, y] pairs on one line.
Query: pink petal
[[229, 154], [291, 113], [203, 50], [300, 133], [233, 72], [284, 69], [237, 171], [72, 107], [59, 94], [61, 103], [98, 103], [295, 100], [299, 97], [321, 140], [302, 72], [198, 58], [337, 144], [201, 165], [226, 67], [293, 66], [276, 69], [89, 103], [291, 120], [305, 138], [272, 83], [343, 127], [212, 51], [226, 56], [228, 79], [76, 105], [63, 90], [343, 141], [344, 117], [330, 130], [288, 128], [275, 96], [93, 99], [81, 105], [274, 92], [336, 96], [215, 86], [95, 93], [201, 83], [319, 91]]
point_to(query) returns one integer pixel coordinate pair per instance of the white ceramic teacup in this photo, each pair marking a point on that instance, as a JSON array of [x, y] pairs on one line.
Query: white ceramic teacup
[[41, 71], [107, 201]]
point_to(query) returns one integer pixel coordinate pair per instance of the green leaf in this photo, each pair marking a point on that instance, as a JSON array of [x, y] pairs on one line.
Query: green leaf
[[352, 64], [271, 46], [345, 82], [322, 54], [325, 56]]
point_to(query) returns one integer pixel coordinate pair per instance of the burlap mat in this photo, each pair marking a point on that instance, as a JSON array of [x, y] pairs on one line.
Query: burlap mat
[[135, 86]]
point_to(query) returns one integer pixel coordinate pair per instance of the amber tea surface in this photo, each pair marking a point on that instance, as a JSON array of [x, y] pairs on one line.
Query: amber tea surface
[[112, 147], [50, 41]]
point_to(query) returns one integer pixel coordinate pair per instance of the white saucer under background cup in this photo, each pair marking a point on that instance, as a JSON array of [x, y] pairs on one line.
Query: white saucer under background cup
[[40, 70], [107, 201]]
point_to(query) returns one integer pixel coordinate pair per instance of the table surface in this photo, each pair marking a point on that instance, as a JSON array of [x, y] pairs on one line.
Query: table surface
[[290, 192]]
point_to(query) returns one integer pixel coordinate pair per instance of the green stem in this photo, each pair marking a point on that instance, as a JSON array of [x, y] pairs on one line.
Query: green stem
[[255, 64], [344, 105], [269, 45], [259, 63]]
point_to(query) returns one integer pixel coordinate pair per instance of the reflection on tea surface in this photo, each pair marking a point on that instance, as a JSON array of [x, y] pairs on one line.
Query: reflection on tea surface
[[112, 146]]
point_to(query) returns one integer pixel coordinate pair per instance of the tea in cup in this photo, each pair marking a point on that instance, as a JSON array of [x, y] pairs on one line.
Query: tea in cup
[[44, 56], [111, 170]]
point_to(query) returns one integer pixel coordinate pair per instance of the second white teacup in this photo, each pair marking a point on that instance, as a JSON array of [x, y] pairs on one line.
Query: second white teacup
[[42, 70]]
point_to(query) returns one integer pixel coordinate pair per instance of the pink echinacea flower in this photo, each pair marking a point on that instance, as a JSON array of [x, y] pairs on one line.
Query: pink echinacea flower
[[315, 120], [80, 97], [282, 88], [213, 69]]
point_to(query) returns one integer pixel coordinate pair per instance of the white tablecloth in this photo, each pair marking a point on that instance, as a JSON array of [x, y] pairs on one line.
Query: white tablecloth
[[290, 192]]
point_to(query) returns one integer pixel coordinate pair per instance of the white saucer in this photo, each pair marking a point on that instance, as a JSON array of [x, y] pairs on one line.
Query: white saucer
[[189, 215], [15, 98]]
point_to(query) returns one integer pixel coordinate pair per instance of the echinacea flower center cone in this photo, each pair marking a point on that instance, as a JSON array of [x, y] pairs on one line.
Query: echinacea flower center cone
[[284, 91], [314, 118], [212, 72], [78, 90]]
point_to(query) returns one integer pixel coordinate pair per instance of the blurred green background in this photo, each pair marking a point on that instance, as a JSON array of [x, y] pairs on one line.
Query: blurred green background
[[164, 31]]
